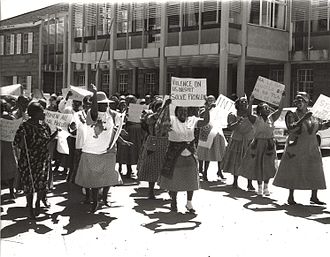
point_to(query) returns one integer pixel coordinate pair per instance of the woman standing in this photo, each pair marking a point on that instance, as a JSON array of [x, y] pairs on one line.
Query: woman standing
[[154, 148], [301, 164], [217, 149], [242, 135], [180, 172], [97, 163], [259, 160], [32, 138]]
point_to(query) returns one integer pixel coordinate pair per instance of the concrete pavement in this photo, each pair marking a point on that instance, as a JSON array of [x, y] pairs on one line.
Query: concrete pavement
[[229, 222]]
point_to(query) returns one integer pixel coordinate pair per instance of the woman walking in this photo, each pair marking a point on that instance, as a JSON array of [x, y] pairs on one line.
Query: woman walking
[[242, 135], [180, 172], [259, 160], [301, 164], [31, 139]]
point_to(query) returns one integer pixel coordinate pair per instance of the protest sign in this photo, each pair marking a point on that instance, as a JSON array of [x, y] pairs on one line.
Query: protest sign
[[219, 114], [57, 120], [188, 91], [8, 129], [321, 108], [14, 90], [135, 111], [78, 93], [268, 91], [118, 129], [37, 94]]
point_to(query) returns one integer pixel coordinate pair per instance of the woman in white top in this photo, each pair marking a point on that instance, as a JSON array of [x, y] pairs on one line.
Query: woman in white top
[[97, 164], [180, 172]]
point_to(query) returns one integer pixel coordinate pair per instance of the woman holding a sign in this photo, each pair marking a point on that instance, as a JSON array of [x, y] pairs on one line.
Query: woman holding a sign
[[32, 138], [180, 172], [259, 160], [301, 164]]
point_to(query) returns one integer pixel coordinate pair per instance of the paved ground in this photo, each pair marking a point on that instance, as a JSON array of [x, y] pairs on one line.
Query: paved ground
[[228, 223]]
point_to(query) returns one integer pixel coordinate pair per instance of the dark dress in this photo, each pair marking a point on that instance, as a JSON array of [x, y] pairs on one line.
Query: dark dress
[[37, 136]]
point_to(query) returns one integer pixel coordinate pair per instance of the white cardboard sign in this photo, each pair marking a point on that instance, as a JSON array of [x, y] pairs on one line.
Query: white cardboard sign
[[188, 91], [57, 119], [135, 111], [268, 91], [78, 93], [321, 108], [8, 129]]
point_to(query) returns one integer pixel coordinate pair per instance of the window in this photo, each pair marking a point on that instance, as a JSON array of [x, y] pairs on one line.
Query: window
[[81, 80], [150, 82], [122, 20], [173, 13], [105, 79], [2, 44], [12, 44], [269, 13], [305, 81], [123, 83], [27, 42], [320, 15], [14, 80], [18, 43], [277, 75], [7, 44], [190, 14]]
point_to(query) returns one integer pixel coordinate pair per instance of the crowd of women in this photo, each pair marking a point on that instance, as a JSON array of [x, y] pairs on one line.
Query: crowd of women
[[168, 150]]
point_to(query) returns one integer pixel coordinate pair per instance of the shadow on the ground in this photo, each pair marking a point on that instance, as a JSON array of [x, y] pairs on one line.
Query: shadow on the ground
[[158, 210], [265, 204]]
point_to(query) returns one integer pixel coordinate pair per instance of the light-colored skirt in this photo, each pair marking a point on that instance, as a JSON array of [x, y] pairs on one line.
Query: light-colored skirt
[[234, 154], [185, 175], [98, 170], [151, 161], [216, 152], [259, 161], [301, 165]]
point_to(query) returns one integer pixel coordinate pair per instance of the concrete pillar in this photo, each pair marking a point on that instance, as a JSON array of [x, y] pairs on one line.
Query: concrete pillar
[[113, 47], [40, 64], [223, 56], [162, 58], [241, 60], [70, 46], [287, 83], [134, 80]]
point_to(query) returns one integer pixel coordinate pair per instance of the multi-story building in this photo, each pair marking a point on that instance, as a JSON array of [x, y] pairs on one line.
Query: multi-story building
[[137, 47], [33, 49]]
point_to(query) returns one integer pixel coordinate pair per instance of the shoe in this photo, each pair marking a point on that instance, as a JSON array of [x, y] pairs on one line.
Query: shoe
[[45, 203], [31, 214], [291, 202], [266, 192], [95, 205], [219, 173], [190, 209], [251, 189], [316, 201]]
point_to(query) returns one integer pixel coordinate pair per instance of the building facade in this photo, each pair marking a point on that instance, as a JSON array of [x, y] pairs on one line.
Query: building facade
[[137, 47]]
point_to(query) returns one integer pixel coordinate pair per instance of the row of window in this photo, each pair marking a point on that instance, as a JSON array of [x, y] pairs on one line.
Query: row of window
[[21, 43], [25, 81]]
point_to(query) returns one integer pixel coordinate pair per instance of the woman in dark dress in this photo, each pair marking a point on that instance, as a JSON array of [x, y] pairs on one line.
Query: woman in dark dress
[[31, 139]]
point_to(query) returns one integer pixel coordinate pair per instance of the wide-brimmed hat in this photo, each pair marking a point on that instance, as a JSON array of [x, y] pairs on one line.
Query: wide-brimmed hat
[[303, 95], [102, 98]]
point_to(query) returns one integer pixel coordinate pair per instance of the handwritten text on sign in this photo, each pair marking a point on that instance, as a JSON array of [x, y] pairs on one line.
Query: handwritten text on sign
[[188, 91], [268, 90], [57, 119], [8, 129], [135, 111], [321, 108]]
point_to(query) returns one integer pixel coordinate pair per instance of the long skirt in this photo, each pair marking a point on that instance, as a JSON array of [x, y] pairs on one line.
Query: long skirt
[[301, 165], [216, 152], [98, 170], [8, 163], [259, 160], [151, 160], [185, 175], [234, 154]]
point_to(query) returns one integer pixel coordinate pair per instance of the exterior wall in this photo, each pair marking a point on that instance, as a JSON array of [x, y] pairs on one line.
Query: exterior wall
[[20, 64]]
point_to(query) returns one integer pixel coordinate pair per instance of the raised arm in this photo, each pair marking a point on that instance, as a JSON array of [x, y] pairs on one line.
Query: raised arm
[[94, 109], [252, 118], [275, 115]]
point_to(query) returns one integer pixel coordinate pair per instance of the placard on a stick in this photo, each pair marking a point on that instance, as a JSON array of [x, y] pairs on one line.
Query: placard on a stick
[[321, 108], [268, 91], [188, 91]]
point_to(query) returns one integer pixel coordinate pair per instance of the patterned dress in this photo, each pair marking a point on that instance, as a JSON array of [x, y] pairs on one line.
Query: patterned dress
[[301, 164], [238, 145], [259, 160], [36, 162]]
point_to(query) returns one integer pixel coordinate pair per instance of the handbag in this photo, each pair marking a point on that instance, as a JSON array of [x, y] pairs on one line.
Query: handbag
[[152, 143]]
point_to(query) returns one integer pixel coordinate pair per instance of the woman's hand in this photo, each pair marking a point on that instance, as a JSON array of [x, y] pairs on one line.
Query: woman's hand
[[307, 115]]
